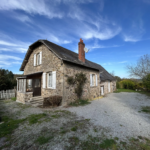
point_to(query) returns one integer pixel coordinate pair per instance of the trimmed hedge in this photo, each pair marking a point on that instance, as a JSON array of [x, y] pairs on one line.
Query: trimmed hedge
[[52, 100]]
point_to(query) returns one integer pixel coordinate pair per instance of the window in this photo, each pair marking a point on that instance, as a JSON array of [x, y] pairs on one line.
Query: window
[[29, 85], [49, 80], [93, 79], [38, 59], [21, 85]]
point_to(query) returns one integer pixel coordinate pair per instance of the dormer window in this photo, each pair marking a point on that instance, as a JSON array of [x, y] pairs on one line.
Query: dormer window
[[38, 59]]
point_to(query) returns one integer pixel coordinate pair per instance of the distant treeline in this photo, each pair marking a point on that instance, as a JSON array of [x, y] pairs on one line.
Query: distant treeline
[[132, 83], [7, 79]]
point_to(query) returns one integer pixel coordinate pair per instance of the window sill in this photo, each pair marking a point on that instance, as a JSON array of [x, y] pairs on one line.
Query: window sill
[[38, 65], [49, 88], [93, 86]]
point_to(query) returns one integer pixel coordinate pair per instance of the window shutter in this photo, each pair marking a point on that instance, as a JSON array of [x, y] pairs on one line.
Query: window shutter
[[96, 79], [54, 79], [40, 57], [90, 79], [44, 78], [34, 59]]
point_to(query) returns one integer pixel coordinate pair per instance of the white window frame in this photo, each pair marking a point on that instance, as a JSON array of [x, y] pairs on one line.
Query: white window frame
[[38, 59], [92, 81], [48, 80], [53, 80]]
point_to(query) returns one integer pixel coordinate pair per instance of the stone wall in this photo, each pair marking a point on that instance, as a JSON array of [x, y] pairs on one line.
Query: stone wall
[[88, 92], [24, 97], [112, 86], [50, 62]]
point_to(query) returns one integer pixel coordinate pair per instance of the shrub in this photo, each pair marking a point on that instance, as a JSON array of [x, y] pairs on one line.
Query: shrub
[[79, 80], [118, 85], [52, 100], [146, 82], [127, 84]]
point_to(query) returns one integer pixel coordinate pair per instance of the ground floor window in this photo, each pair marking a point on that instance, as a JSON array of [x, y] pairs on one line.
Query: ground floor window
[[29, 85], [93, 79], [49, 80]]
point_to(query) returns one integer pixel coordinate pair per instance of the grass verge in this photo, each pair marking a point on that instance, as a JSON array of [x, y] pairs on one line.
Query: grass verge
[[13, 98], [34, 118], [9, 126], [42, 140], [146, 109], [124, 90], [79, 102]]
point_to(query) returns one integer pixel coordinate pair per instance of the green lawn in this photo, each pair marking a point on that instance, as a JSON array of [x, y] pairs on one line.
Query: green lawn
[[129, 90], [124, 90]]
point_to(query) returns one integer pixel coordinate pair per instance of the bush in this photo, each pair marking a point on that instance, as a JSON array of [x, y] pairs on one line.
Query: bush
[[127, 84], [146, 82], [52, 100], [79, 80], [118, 85]]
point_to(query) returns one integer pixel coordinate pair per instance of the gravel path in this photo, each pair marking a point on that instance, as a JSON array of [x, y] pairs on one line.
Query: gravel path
[[119, 112]]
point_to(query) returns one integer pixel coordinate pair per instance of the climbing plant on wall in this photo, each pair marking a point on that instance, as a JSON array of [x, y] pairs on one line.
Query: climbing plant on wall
[[78, 80]]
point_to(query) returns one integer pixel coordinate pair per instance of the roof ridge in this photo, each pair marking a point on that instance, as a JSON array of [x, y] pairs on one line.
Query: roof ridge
[[60, 46]]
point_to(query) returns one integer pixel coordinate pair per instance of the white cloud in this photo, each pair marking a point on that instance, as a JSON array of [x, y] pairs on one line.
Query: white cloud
[[6, 57], [7, 43], [7, 60], [131, 38], [32, 7], [135, 32], [23, 18], [113, 63], [89, 25], [122, 62]]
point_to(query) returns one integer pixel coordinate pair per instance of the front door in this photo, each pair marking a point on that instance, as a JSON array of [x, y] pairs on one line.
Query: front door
[[36, 87], [108, 86], [102, 90]]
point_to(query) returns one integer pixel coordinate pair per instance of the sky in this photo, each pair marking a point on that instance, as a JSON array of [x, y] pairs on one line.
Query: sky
[[116, 32]]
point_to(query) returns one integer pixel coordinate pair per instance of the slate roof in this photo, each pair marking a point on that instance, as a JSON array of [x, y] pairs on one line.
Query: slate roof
[[67, 55]]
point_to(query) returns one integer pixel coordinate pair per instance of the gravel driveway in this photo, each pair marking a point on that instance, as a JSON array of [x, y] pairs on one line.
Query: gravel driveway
[[119, 112]]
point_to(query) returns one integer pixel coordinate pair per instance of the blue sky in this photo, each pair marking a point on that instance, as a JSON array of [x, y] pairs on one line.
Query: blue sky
[[117, 32]]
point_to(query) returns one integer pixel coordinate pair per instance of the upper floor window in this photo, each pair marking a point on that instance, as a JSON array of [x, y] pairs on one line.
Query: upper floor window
[[38, 59], [93, 80]]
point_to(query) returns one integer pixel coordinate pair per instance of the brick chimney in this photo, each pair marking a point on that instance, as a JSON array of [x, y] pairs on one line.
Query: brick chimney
[[81, 51]]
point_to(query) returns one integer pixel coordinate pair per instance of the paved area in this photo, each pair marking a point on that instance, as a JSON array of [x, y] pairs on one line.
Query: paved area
[[120, 113]]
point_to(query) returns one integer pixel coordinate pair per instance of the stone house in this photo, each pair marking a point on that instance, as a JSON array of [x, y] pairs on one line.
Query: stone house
[[46, 67]]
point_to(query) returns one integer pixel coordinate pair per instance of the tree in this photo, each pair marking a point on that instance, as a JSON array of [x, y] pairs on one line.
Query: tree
[[146, 82], [141, 68], [112, 73], [118, 79], [7, 80]]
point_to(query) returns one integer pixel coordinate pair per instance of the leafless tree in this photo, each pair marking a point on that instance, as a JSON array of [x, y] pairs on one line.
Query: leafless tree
[[112, 73], [141, 68]]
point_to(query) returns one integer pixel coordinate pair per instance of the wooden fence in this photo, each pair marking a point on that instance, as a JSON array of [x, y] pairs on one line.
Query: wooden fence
[[7, 94]]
